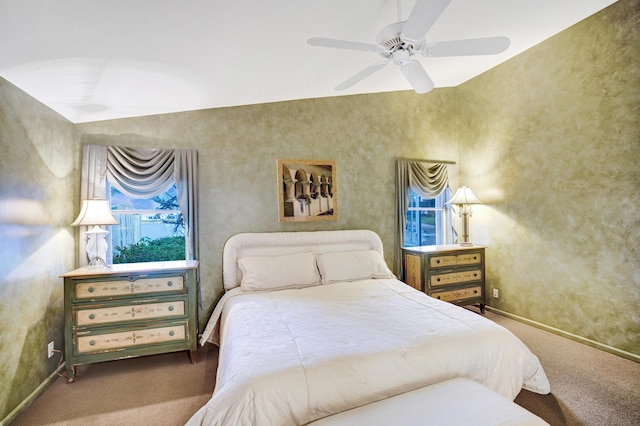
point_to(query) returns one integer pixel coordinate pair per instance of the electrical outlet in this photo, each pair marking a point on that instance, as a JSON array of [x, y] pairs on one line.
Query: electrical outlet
[[50, 349], [495, 293]]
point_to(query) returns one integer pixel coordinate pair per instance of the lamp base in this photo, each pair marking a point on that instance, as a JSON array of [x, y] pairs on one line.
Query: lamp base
[[98, 263], [97, 248], [466, 244]]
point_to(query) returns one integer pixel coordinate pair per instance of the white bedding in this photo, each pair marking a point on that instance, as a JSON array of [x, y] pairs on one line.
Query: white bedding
[[292, 356]]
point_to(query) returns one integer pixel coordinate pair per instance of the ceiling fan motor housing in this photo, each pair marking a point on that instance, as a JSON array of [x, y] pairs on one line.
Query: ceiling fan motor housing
[[390, 37]]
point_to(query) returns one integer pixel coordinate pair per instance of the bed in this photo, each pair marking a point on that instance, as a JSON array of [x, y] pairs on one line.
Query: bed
[[314, 323]]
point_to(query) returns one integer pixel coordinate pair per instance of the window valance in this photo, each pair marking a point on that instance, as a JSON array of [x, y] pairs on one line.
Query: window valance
[[140, 172]]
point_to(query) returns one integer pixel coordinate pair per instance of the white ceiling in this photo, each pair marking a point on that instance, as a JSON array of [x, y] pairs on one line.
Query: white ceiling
[[93, 60]]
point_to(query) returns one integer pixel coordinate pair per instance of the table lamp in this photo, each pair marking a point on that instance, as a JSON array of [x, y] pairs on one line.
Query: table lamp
[[463, 198], [96, 213]]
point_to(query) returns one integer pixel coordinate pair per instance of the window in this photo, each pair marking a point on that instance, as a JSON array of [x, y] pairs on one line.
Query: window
[[149, 229], [426, 221]]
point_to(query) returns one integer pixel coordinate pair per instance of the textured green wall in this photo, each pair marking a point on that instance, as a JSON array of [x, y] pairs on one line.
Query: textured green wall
[[38, 177], [551, 141], [238, 149]]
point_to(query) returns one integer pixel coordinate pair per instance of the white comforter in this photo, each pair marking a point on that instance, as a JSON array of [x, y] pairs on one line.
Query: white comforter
[[289, 357]]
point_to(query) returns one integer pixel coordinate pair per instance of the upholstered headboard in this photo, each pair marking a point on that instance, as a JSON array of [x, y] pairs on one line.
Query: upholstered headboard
[[279, 243]]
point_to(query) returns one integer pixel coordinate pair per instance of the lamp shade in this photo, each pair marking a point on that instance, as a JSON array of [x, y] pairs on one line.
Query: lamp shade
[[464, 196], [95, 212]]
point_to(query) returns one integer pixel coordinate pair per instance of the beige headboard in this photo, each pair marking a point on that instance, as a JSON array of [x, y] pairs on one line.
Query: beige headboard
[[278, 243]]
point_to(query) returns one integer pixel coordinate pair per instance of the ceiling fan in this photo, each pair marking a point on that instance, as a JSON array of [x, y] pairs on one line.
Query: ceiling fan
[[401, 40]]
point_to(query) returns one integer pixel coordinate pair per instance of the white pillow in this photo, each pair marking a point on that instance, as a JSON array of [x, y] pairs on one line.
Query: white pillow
[[352, 266], [278, 272]]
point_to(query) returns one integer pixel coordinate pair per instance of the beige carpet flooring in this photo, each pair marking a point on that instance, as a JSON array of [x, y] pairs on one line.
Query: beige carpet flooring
[[589, 387], [155, 390]]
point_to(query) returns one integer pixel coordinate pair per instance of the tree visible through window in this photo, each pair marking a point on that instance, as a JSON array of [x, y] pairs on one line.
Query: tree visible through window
[[149, 229], [425, 221]]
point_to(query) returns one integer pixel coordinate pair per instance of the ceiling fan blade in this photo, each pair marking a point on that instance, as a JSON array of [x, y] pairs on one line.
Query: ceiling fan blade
[[417, 76], [344, 44], [469, 47], [424, 14], [361, 75]]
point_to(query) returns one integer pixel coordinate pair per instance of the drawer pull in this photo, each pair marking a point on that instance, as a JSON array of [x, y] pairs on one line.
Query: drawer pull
[[171, 333], [92, 342], [92, 316], [169, 283], [91, 289]]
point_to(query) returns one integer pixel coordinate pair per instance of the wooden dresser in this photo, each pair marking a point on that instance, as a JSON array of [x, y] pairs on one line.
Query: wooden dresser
[[452, 273], [129, 310]]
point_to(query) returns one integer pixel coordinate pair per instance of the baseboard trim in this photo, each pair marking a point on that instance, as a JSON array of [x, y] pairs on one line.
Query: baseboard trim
[[31, 397], [589, 342]]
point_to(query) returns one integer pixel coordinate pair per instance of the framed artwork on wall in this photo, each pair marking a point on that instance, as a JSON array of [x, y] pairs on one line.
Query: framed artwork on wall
[[307, 190]]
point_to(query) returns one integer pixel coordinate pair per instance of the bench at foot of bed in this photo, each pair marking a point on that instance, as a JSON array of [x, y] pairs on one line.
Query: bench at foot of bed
[[454, 402]]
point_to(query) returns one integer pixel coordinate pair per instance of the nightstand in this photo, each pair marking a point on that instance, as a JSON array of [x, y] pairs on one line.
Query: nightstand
[[129, 310], [451, 272]]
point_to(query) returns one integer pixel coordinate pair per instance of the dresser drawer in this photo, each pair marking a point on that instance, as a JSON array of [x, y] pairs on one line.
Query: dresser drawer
[[452, 278], [93, 342], [458, 294], [86, 316], [90, 290], [449, 260]]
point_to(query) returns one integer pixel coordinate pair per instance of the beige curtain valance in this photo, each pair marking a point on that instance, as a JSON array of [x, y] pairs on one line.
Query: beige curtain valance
[[140, 172], [427, 180]]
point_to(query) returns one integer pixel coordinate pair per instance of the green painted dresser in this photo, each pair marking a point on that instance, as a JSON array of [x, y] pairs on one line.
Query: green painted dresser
[[129, 310], [450, 272]]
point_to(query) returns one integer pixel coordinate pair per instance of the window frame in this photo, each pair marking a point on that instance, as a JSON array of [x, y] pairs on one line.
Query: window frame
[[142, 212], [444, 227]]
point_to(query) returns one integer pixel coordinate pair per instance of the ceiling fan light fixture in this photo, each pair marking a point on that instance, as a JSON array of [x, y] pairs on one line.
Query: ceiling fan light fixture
[[400, 57]]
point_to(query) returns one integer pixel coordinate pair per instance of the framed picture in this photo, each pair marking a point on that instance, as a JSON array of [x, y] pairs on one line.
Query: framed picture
[[307, 190]]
